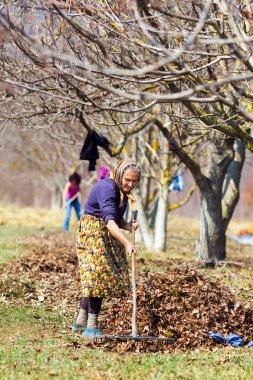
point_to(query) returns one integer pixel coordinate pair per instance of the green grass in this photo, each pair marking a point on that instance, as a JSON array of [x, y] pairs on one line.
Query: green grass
[[11, 244], [14, 241], [32, 346], [17, 223]]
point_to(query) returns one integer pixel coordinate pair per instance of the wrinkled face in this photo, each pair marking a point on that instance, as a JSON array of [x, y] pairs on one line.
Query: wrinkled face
[[129, 180]]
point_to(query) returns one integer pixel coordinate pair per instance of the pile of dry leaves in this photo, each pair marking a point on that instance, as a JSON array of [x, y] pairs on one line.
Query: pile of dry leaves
[[179, 303]]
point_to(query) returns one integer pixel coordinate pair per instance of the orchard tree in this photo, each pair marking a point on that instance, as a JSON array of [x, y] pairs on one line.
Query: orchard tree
[[127, 58]]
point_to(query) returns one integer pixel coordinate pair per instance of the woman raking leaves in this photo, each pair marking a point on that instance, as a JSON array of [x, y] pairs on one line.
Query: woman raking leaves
[[102, 248]]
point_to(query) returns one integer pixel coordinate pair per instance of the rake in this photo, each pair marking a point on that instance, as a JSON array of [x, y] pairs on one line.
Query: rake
[[134, 335]]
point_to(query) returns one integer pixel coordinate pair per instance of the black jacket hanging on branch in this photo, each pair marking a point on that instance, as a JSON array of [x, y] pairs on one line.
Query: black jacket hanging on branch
[[89, 150]]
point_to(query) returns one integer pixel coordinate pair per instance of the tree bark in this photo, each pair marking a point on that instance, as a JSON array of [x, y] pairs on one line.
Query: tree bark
[[56, 198], [224, 164], [146, 234], [231, 187], [161, 220], [211, 243]]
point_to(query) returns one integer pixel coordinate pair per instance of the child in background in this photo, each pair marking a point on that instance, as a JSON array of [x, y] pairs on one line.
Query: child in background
[[103, 172], [71, 194]]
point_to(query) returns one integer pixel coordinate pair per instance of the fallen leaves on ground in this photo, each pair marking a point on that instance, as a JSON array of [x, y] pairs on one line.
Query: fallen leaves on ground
[[176, 303]]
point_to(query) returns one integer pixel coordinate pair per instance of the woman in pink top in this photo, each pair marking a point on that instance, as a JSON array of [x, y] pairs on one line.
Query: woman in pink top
[[70, 198], [103, 172]]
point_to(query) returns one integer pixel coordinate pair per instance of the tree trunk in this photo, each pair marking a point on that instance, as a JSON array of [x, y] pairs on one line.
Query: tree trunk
[[161, 220], [146, 191], [146, 234], [211, 243], [56, 198], [218, 199], [231, 187]]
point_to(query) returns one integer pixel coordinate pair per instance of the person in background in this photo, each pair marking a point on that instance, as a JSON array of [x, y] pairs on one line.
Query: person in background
[[103, 172], [71, 195], [101, 246]]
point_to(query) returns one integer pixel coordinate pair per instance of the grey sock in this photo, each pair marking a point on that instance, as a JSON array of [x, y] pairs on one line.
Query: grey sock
[[82, 317], [92, 321]]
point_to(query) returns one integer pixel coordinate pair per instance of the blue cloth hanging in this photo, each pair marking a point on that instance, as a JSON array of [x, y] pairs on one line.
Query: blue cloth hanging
[[177, 183]]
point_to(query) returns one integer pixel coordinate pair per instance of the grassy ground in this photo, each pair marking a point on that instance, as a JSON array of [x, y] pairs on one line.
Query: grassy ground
[[32, 348], [35, 343], [18, 226], [11, 242]]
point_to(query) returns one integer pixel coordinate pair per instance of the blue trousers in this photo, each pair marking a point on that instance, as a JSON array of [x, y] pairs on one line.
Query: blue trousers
[[76, 204]]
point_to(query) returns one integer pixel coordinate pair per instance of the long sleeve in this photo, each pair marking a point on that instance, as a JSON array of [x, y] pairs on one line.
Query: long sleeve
[[104, 200], [108, 200]]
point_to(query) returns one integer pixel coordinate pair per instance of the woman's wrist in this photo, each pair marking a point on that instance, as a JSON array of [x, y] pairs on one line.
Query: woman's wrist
[[127, 243], [125, 226], [129, 226], [115, 231]]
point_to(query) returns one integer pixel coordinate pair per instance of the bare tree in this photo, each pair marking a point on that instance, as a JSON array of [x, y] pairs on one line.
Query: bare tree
[[195, 54], [159, 170], [111, 59]]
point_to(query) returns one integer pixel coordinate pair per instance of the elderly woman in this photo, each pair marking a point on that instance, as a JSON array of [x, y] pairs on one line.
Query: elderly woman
[[102, 247]]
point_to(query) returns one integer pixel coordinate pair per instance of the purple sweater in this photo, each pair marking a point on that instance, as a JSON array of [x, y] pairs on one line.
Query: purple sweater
[[103, 201]]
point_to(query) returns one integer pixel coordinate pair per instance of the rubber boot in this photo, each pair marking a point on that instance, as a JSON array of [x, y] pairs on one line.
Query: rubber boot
[[92, 330], [81, 322]]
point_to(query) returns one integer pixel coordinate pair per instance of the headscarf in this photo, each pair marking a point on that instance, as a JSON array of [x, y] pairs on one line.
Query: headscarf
[[117, 175]]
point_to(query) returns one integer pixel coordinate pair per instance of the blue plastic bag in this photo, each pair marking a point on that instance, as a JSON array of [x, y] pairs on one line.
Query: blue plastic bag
[[217, 337], [234, 340]]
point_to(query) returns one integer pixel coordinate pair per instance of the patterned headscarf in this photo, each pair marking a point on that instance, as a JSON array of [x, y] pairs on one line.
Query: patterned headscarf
[[117, 175]]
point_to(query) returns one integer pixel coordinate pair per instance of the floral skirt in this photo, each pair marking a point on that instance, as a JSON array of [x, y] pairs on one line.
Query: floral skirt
[[102, 260]]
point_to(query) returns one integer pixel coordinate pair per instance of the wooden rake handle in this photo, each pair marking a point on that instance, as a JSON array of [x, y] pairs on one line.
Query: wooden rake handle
[[134, 329]]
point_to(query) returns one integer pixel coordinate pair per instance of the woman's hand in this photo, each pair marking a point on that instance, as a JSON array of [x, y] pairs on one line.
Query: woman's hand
[[130, 248], [115, 231], [132, 224]]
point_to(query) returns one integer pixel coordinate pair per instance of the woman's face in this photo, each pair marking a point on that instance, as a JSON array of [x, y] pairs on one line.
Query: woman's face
[[129, 180]]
